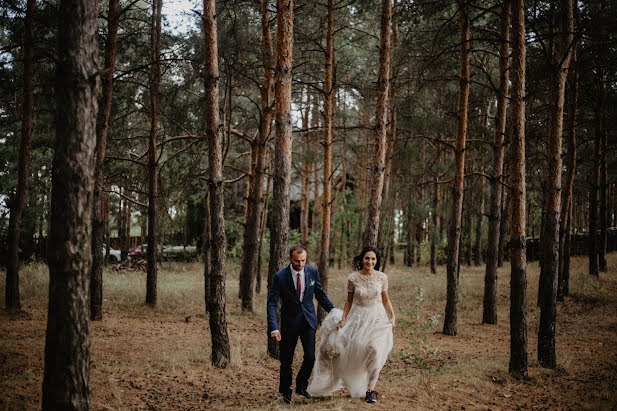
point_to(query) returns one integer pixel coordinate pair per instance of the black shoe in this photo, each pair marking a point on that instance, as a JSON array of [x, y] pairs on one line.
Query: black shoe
[[371, 396], [303, 393], [286, 398]]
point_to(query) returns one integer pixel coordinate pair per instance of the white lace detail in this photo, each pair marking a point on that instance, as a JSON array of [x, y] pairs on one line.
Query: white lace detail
[[367, 289]]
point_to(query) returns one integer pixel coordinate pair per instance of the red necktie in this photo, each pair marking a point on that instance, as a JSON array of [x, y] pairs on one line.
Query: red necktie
[[299, 286]]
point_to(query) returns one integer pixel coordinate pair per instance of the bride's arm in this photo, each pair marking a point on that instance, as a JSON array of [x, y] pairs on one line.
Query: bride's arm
[[388, 305], [346, 309]]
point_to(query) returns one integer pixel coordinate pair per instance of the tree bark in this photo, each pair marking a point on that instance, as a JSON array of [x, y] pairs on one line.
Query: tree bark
[[560, 63], [409, 249], [218, 246], [504, 226], [264, 220], [454, 232], [305, 175], [206, 251], [489, 306], [363, 172], [102, 124], [388, 252], [253, 215], [67, 342], [468, 212], [518, 258], [324, 255], [435, 204], [18, 204], [379, 153], [477, 247], [594, 246], [390, 143], [155, 83], [336, 190], [603, 187], [316, 213], [566, 204], [419, 240], [279, 231]]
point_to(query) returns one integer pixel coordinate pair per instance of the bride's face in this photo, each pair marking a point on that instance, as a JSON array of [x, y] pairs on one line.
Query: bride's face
[[369, 260]]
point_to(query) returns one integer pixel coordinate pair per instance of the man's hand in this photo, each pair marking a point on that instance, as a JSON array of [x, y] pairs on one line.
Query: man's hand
[[276, 336]]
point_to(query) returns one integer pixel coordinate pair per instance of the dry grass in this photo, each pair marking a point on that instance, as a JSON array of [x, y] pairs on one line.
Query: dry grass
[[155, 358]]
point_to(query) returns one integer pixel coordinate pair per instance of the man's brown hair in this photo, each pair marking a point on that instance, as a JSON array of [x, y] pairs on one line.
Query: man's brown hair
[[296, 248]]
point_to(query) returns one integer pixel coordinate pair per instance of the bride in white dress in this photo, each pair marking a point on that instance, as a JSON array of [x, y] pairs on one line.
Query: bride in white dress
[[355, 342]]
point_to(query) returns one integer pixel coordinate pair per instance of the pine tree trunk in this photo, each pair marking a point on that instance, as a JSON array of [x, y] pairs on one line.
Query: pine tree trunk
[[477, 247], [218, 245], [566, 204], [102, 123], [603, 187], [324, 255], [593, 246], [468, 213], [489, 307], [379, 153], [504, 225], [550, 235], [155, 83], [390, 143], [565, 282], [419, 241], [388, 252], [264, 219], [518, 258], [409, 249], [253, 215], [206, 251], [363, 173], [306, 199], [315, 137], [454, 231], [69, 256], [124, 245], [434, 230], [279, 231], [307, 170], [18, 204]]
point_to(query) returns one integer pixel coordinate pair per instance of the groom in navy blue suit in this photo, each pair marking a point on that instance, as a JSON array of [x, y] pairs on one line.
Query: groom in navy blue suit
[[296, 285]]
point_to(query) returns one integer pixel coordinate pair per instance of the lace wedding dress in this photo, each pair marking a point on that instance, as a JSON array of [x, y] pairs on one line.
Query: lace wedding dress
[[352, 357]]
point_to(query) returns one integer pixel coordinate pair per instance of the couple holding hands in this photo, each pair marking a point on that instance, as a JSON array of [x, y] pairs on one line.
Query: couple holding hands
[[355, 342]]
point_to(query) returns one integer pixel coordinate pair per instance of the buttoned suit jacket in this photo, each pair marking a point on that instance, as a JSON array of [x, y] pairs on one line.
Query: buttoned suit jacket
[[294, 312]]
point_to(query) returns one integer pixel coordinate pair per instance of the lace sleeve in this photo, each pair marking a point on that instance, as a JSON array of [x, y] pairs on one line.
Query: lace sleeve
[[384, 283], [350, 286]]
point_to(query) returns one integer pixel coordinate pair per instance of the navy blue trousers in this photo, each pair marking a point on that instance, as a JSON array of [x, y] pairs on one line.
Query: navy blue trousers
[[289, 340]]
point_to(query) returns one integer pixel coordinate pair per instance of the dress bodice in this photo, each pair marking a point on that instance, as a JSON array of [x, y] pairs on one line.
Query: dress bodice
[[367, 289]]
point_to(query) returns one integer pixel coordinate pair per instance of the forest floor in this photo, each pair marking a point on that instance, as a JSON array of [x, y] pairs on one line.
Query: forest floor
[[144, 358]]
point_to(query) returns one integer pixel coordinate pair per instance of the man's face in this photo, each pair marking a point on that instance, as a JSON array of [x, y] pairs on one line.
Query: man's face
[[298, 260]]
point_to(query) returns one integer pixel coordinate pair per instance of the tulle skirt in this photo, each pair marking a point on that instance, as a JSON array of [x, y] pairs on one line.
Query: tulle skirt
[[353, 356]]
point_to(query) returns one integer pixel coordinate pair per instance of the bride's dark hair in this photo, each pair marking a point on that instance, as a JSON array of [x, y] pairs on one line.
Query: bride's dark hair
[[357, 261]]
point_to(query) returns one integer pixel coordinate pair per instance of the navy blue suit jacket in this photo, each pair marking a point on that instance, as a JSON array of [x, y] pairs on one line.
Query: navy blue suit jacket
[[293, 312]]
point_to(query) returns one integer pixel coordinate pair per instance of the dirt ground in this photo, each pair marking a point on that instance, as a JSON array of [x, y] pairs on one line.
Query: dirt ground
[[143, 358]]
